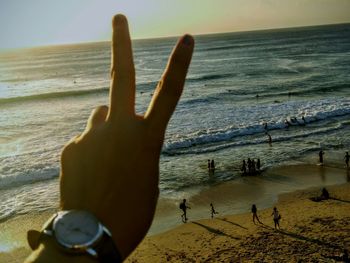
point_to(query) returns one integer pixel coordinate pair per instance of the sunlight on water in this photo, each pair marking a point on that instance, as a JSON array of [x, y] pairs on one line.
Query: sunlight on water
[[236, 83]]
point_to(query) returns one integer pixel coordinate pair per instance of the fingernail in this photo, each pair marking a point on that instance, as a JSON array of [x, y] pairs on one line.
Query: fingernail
[[187, 40], [118, 20]]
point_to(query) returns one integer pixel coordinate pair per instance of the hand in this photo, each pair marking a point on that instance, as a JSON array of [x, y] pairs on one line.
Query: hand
[[112, 168]]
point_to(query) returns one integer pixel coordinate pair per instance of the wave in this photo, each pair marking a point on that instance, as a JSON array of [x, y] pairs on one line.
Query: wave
[[209, 141], [209, 77], [66, 94], [24, 178], [53, 95], [215, 148]]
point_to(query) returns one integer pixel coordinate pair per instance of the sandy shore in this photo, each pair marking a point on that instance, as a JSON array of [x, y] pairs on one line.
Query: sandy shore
[[310, 231]]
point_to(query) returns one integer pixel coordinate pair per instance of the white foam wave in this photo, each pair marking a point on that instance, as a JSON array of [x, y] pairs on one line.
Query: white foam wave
[[310, 112], [28, 177]]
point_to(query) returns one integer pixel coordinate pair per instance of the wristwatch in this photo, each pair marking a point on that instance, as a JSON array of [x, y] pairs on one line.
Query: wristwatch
[[78, 232]]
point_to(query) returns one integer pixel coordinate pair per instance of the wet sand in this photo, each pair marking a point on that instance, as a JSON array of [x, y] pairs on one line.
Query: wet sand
[[237, 196], [310, 232], [308, 228]]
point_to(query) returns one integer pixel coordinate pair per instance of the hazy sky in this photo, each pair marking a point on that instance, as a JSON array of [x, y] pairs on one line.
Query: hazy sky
[[45, 22]]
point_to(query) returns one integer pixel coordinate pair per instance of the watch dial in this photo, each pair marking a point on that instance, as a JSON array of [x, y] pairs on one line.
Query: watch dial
[[76, 228]]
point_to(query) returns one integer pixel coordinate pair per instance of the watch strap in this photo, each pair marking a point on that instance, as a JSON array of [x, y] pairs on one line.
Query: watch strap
[[34, 237], [106, 250]]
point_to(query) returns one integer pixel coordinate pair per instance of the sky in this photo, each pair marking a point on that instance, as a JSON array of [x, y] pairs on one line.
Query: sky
[[25, 23]]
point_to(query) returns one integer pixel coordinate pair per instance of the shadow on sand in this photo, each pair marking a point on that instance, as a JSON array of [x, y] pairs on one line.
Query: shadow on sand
[[301, 237], [215, 231], [340, 200], [232, 223]]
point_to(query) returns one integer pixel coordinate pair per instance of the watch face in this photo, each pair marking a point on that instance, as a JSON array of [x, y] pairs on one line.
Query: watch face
[[77, 229]]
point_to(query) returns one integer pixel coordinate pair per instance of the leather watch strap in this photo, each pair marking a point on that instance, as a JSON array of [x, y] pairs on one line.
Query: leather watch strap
[[106, 250]]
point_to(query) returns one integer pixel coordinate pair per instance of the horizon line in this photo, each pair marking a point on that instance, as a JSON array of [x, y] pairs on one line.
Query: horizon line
[[165, 37]]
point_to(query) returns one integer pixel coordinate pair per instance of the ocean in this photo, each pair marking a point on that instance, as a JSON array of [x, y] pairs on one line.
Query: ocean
[[236, 83]]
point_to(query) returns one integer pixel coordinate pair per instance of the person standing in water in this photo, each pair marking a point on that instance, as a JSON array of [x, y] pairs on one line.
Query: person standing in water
[[255, 215], [244, 167], [212, 210], [258, 165], [320, 156], [347, 158], [253, 167], [212, 165], [249, 163], [269, 138]]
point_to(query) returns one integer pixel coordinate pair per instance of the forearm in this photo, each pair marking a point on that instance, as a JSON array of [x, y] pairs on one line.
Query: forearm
[[48, 251]]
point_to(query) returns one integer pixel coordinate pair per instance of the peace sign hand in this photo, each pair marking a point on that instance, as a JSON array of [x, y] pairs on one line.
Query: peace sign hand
[[112, 168]]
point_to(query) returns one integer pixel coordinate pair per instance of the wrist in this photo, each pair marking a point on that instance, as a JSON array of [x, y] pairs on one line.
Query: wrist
[[73, 236], [49, 251]]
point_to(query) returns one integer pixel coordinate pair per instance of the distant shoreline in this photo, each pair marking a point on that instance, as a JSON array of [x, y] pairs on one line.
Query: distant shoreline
[[68, 45]]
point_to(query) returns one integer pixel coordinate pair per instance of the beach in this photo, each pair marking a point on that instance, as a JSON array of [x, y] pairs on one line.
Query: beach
[[310, 231], [292, 84]]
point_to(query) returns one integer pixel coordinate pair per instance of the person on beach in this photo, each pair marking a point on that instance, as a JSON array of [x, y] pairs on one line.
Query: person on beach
[[320, 156], [212, 165], [184, 208], [255, 215], [208, 165], [249, 164], [269, 138], [347, 158], [258, 165], [212, 210], [325, 194], [276, 218], [113, 165], [253, 167], [244, 167]]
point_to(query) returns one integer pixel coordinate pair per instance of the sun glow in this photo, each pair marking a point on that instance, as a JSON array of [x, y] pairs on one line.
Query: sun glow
[[42, 22]]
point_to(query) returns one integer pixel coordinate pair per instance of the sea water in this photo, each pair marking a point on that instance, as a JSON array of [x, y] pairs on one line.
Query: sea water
[[236, 83]]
